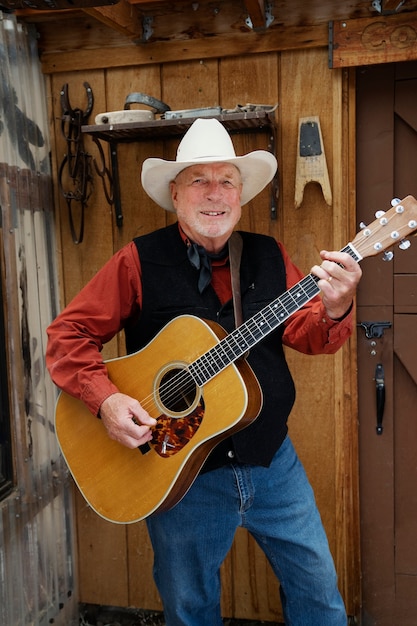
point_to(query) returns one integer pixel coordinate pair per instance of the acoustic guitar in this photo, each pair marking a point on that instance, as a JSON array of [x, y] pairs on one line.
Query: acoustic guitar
[[194, 379]]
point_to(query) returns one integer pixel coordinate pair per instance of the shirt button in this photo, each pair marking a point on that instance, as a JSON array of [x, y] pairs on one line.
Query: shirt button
[[231, 454]]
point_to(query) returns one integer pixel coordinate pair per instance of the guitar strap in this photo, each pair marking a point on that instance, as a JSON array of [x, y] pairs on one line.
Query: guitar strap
[[235, 253]]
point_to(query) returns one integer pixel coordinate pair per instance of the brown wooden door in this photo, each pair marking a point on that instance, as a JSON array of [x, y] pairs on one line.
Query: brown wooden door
[[386, 168]]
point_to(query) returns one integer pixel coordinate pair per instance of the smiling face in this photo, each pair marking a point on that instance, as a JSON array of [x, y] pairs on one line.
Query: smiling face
[[206, 198]]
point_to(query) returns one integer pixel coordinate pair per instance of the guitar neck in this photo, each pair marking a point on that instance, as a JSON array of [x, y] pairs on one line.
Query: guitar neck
[[251, 332]]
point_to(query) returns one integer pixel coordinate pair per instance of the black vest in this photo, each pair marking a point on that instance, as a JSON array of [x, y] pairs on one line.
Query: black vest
[[169, 284]]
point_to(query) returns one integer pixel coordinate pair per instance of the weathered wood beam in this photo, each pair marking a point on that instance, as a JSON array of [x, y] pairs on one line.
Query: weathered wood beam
[[123, 17], [384, 39], [165, 52]]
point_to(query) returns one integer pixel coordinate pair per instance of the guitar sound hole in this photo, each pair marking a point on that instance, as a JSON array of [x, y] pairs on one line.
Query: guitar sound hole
[[177, 390]]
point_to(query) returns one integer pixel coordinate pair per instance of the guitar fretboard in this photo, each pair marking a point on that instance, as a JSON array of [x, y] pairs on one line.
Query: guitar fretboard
[[248, 334]]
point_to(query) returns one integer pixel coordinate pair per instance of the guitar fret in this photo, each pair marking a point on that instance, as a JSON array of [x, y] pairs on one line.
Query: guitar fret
[[212, 362], [353, 253], [263, 319], [241, 344], [226, 352], [279, 313], [251, 334], [198, 371]]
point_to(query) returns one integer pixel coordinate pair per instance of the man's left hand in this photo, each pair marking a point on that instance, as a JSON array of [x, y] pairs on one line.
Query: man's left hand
[[339, 276]]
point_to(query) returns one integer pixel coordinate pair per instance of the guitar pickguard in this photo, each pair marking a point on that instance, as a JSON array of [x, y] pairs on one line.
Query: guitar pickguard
[[171, 434]]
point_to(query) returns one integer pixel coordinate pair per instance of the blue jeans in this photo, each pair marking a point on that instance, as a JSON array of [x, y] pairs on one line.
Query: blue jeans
[[276, 505]]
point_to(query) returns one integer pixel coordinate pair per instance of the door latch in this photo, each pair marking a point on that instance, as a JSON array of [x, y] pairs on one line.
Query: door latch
[[380, 397]]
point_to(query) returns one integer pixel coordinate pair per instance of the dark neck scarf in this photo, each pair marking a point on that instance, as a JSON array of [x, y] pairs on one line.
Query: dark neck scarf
[[201, 260]]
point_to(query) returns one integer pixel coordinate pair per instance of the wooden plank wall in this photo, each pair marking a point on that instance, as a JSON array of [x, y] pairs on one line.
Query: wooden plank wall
[[116, 561], [36, 518]]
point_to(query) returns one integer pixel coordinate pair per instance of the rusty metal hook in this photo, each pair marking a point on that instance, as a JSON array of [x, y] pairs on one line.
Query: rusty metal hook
[[76, 160]]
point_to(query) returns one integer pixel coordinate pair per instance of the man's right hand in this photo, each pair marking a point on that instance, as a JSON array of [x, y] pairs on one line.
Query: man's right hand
[[126, 421]]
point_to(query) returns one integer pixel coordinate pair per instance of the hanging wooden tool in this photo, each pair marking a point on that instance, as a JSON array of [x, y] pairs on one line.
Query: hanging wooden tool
[[311, 160]]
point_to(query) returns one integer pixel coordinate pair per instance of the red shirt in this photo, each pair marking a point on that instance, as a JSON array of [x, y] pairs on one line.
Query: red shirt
[[100, 310]]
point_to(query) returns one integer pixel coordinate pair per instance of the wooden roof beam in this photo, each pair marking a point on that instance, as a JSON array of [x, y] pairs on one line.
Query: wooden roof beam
[[123, 17], [257, 13]]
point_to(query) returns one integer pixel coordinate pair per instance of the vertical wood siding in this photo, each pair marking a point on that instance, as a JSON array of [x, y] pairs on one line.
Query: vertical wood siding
[[115, 560], [37, 582]]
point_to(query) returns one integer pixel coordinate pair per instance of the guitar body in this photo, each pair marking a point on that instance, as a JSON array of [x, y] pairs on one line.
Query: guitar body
[[124, 485]]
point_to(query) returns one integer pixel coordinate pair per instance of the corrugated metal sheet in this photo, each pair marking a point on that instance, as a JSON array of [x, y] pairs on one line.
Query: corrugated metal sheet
[[37, 582]]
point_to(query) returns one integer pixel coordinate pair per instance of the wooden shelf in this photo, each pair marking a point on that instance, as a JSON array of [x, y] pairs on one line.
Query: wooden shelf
[[254, 121]]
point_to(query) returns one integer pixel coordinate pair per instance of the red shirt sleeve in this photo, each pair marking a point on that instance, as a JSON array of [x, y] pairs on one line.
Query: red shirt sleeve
[[77, 335]]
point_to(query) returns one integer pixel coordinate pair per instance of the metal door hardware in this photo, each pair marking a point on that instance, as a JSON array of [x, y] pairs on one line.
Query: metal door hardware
[[374, 330], [380, 397]]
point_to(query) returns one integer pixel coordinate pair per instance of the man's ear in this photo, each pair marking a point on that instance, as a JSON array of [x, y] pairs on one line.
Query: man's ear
[[173, 190]]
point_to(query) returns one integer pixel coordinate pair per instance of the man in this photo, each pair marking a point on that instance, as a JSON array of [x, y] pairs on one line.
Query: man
[[253, 478]]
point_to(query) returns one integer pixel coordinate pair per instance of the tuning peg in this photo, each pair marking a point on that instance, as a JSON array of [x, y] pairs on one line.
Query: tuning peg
[[388, 255], [362, 225], [395, 201], [379, 214], [405, 244]]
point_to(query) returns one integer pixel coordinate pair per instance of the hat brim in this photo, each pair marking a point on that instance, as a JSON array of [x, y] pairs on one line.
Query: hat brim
[[257, 169]]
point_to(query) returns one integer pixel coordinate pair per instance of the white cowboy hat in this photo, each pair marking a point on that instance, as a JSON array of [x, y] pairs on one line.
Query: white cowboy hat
[[207, 141]]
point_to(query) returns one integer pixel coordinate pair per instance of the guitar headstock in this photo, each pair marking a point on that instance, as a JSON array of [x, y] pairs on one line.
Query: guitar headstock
[[388, 229]]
